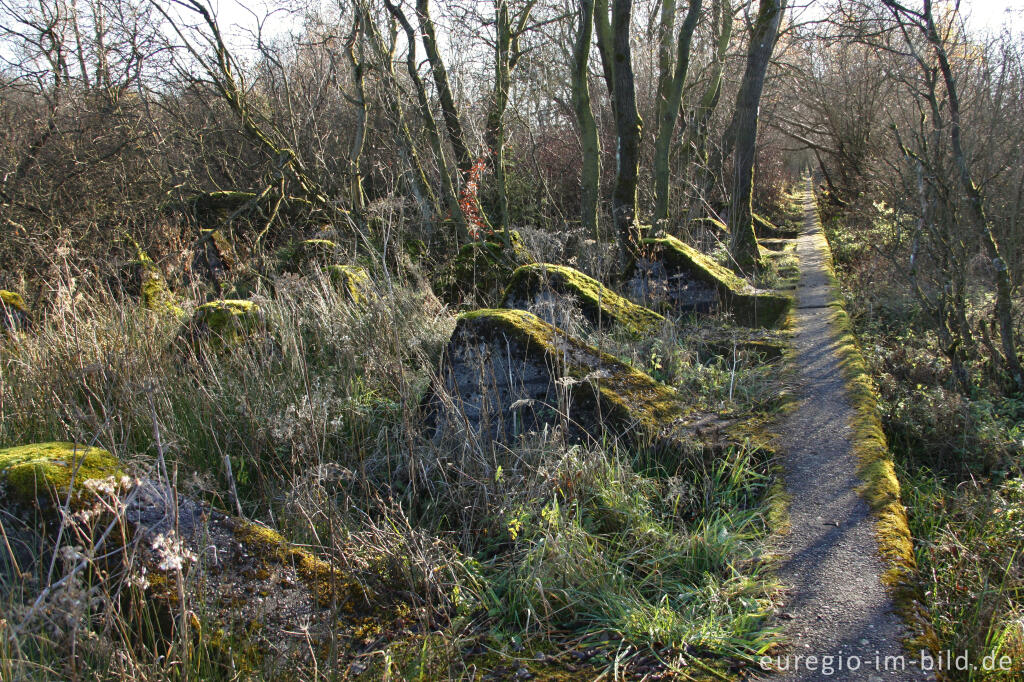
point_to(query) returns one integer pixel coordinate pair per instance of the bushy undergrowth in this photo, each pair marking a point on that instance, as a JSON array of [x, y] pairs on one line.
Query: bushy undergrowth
[[314, 427], [958, 458]]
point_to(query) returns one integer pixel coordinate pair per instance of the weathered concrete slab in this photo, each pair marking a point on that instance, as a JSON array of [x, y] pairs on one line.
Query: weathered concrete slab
[[507, 372], [531, 286], [682, 277]]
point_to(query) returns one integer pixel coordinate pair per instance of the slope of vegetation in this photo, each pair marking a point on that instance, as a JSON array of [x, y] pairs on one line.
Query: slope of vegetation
[[542, 556]]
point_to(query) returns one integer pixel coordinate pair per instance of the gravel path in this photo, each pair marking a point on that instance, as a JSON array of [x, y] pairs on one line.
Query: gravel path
[[835, 604]]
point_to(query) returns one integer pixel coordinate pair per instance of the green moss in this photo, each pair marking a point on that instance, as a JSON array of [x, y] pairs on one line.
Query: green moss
[[350, 281], [154, 294], [881, 487], [713, 224], [777, 245], [230, 321], [13, 311], [227, 200], [14, 300], [601, 305], [327, 584], [298, 256], [749, 306], [622, 393], [28, 470]]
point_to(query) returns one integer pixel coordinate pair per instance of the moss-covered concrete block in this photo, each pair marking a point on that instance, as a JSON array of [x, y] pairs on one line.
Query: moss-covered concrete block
[[692, 280], [221, 205], [254, 586], [227, 323], [50, 471], [302, 255], [535, 283], [481, 270], [13, 311], [507, 372], [351, 281], [764, 228], [146, 280]]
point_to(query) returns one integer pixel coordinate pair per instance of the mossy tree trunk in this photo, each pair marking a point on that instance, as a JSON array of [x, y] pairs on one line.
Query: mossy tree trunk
[[354, 51], [672, 71], [695, 146], [506, 57], [617, 58], [430, 125], [415, 178], [743, 247], [590, 141], [449, 109]]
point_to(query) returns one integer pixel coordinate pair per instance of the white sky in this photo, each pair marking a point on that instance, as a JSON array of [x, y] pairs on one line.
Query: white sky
[[992, 16], [987, 16]]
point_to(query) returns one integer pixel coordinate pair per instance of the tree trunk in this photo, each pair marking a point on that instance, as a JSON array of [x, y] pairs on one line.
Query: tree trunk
[[356, 60], [448, 188], [589, 139], [670, 97], [695, 148], [743, 247], [617, 58]]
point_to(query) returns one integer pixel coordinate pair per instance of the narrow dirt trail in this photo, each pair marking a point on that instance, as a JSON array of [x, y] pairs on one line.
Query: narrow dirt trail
[[835, 603]]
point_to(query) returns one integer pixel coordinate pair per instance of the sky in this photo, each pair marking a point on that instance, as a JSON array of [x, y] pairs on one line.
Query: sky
[[985, 16], [991, 16]]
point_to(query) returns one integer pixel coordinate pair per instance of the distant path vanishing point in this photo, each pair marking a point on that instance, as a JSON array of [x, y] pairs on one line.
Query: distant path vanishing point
[[835, 604]]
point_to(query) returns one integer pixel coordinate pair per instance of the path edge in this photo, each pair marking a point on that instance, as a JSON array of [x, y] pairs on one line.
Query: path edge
[[880, 486]]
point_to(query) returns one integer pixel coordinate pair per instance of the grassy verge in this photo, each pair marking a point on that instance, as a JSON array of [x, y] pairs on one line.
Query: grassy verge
[[957, 459]]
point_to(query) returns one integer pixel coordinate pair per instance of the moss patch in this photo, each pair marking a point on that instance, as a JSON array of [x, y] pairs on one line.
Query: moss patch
[[764, 228], [881, 487], [750, 307], [154, 294], [13, 311], [54, 468], [13, 300], [327, 584], [299, 256], [601, 305], [350, 281]]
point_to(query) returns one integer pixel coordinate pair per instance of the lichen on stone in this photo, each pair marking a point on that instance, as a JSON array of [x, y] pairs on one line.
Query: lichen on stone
[[351, 281], [748, 305], [28, 472], [601, 306], [13, 311]]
